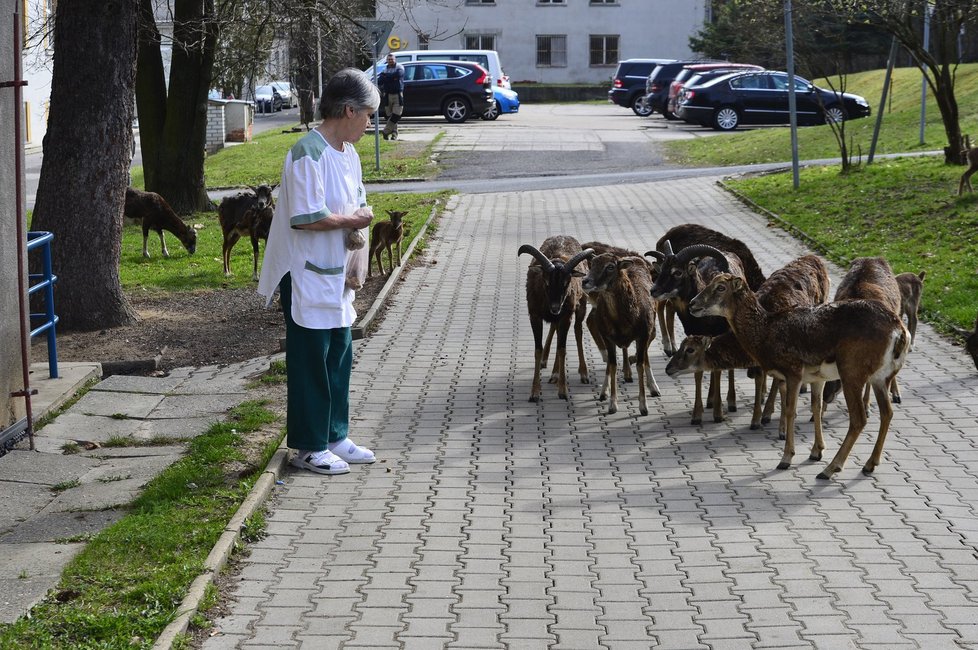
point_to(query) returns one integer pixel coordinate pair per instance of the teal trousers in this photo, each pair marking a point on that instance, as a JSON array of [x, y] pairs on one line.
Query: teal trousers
[[318, 367]]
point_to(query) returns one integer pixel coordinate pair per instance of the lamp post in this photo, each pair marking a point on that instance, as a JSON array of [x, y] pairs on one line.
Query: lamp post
[[923, 76]]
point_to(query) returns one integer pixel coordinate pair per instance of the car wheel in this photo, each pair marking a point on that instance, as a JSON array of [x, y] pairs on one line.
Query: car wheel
[[726, 118], [641, 107], [492, 112], [834, 114], [456, 110]]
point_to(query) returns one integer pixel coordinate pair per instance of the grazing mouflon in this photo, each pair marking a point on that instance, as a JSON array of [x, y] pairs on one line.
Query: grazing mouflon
[[156, 214]]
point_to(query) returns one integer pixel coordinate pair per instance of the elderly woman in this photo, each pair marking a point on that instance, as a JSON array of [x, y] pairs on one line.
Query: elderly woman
[[321, 198]]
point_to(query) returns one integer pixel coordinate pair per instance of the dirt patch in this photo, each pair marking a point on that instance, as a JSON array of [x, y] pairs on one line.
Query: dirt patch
[[190, 329]]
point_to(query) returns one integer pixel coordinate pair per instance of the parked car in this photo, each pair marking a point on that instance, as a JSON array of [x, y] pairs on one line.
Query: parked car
[[657, 84], [762, 98], [290, 98], [628, 84], [268, 99], [697, 70], [456, 89], [503, 101], [488, 59]]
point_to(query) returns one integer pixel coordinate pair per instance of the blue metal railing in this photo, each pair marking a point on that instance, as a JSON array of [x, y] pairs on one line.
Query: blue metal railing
[[45, 281]]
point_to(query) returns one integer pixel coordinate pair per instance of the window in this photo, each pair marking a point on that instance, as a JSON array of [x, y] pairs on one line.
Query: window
[[480, 2], [552, 51], [480, 41], [551, 2], [604, 50], [423, 41], [755, 82], [596, 3]]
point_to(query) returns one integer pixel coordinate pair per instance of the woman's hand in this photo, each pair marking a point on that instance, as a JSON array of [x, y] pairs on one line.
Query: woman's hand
[[362, 217]]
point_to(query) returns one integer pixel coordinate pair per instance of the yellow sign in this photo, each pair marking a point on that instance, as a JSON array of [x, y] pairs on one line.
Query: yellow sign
[[396, 43]]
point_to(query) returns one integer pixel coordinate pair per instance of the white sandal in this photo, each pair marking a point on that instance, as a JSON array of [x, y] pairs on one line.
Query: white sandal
[[351, 452], [321, 462]]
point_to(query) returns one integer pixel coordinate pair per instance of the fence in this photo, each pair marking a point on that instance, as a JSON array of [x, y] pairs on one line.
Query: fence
[[45, 282]]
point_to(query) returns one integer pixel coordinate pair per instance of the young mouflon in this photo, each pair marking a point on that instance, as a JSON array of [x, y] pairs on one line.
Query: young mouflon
[[385, 235]]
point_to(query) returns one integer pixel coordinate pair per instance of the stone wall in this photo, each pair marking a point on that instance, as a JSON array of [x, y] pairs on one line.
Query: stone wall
[[215, 125]]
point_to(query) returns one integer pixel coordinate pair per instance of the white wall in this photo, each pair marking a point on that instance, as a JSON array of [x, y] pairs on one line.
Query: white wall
[[646, 28], [11, 377]]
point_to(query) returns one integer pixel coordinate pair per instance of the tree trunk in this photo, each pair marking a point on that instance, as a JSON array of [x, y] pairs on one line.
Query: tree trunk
[[87, 151], [947, 103], [150, 93], [181, 117]]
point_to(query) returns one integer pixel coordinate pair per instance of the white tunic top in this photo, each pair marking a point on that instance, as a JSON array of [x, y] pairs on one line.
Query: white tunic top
[[317, 181]]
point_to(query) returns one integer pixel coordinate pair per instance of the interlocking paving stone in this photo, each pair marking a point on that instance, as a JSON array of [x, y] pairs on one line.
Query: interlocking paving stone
[[496, 523]]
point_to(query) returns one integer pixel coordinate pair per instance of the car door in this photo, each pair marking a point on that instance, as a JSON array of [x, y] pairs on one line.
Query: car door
[[806, 103], [429, 86], [758, 101]]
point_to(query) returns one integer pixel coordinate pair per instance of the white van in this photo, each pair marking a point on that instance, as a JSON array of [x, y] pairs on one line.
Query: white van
[[488, 59]]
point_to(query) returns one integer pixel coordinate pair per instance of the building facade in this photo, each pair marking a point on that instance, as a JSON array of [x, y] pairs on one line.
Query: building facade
[[11, 367], [550, 41]]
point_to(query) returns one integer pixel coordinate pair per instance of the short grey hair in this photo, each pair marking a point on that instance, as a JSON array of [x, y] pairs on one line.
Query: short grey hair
[[348, 87]]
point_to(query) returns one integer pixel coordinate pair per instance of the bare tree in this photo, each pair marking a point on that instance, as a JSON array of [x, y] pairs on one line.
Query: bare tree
[[424, 17], [905, 20]]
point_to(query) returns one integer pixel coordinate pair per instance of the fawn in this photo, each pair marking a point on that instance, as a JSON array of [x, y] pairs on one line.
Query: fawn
[[385, 235], [971, 155]]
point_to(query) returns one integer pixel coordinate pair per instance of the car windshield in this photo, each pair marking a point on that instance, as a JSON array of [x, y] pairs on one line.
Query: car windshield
[[263, 90]]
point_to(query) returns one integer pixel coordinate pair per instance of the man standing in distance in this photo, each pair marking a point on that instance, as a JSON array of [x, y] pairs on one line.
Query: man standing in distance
[[391, 84]]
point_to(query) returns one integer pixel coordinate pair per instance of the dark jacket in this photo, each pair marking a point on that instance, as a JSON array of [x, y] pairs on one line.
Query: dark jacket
[[391, 80]]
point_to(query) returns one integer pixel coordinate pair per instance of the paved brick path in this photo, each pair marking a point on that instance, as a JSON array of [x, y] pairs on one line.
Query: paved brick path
[[496, 523]]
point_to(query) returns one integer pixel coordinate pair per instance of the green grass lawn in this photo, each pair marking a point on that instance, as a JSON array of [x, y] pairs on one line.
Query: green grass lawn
[[904, 209], [204, 270]]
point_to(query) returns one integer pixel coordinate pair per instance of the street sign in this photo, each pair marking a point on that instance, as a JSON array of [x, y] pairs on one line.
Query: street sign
[[375, 32]]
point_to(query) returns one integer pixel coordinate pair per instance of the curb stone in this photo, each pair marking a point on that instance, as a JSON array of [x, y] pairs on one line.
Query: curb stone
[[218, 557]]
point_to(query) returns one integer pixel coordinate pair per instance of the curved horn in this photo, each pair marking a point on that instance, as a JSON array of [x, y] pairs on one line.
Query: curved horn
[[656, 254], [697, 250], [543, 259], [668, 248], [578, 258]]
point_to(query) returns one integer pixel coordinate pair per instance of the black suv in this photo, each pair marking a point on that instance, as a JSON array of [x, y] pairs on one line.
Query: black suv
[[459, 90], [658, 82], [628, 84]]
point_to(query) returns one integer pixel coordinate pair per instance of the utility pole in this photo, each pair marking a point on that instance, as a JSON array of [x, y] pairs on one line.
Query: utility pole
[[792, 102]]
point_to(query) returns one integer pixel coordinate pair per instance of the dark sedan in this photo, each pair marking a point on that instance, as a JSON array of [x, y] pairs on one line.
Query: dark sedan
[[459, 90], [762, 98]]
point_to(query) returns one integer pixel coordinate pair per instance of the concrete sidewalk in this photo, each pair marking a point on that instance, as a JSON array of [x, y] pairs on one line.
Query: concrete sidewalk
[[53, 501], [491, 522]]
